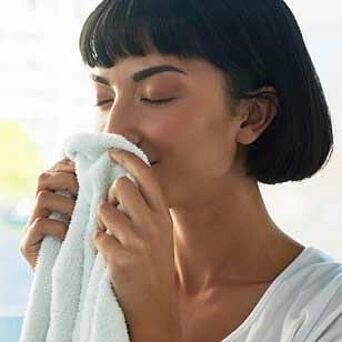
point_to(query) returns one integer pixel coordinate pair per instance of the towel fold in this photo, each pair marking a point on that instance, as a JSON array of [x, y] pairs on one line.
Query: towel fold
[[71, 298]]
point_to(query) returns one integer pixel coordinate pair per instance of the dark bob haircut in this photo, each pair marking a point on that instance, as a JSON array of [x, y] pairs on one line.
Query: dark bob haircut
[[254, 42]]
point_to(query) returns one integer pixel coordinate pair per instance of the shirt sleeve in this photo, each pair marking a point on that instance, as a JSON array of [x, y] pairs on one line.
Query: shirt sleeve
[[328, 327]]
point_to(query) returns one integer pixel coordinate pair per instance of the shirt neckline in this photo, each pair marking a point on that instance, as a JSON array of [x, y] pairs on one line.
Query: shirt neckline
[[267, 294]]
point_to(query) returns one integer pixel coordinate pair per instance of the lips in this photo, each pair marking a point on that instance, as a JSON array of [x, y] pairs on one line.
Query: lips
[[152, 163]]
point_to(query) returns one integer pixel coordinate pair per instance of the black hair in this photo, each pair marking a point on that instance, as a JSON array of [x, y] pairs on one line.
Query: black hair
[[254, 42]]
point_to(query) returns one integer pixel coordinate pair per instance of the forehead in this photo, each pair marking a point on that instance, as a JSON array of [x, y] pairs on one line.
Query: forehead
[[136, 63], [130, 67]]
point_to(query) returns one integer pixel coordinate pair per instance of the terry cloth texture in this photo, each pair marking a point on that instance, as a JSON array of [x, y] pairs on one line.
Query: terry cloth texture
[[71, 298]]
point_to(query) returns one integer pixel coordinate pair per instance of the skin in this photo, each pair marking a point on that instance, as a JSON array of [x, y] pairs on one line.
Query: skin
[[222, 231], [206, 227], [60, 176]]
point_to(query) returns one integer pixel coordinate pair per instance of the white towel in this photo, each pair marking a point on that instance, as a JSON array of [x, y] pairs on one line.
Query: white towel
[[71, 298]]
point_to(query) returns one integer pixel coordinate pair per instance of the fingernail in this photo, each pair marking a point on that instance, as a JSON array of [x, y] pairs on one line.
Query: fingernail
[[99, 205], [115, 156], [100, 228], [114, 151]]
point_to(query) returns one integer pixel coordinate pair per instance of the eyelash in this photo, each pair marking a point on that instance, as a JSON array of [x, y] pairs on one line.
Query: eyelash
[[153, 102]]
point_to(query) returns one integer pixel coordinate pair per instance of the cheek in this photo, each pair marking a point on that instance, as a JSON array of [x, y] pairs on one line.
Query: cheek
[[196, 149], [194, 135]]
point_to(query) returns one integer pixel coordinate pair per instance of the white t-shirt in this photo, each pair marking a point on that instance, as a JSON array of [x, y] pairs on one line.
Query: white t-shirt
[[304, 303]]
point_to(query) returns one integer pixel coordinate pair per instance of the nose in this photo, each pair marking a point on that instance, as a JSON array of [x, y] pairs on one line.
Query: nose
[[122, 120]]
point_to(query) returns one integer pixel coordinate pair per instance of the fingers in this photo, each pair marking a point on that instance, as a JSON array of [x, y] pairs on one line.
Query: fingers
[[58, 180], [105, 244], [124, 191], [31, 242], [111, 218], [65, 165], [143, 174], [61, 176], [44, 226], [47, 202]]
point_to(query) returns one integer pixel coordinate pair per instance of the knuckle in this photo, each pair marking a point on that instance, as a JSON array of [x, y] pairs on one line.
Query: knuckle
[[119, 182], [42, 195], [73, 183], [62, 230], [74, 180], [96, 235], [72, 206], [43, 176], [24, 251], [58, 164], [102, 207], [116, 184], [69, 162], [99, 208], [63, 165], [38, 223], [65, 161], [66, 164]]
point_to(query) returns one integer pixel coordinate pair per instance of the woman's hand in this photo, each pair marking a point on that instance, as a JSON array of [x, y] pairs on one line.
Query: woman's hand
[[61, 176], [137, 246]]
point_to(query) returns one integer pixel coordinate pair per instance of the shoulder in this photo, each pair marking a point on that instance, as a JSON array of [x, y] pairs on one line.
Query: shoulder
[[316, 298], [304, 303]]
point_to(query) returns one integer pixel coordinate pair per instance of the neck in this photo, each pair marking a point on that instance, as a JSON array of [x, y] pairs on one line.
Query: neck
[[224, 237]]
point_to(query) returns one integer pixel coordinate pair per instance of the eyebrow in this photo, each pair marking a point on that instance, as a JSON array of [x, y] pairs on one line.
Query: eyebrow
[[142, 74]]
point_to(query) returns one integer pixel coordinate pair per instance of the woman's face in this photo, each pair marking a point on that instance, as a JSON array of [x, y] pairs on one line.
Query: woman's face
[[191, 135]]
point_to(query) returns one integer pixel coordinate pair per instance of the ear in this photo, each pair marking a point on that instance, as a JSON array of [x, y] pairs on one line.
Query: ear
[[256, 114]]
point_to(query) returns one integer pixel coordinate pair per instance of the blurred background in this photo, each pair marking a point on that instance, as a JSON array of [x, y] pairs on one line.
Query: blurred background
[[45, 95]]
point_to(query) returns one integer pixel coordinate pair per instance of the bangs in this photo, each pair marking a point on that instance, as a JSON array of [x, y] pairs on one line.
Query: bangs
[[254, 43], [122, 28]]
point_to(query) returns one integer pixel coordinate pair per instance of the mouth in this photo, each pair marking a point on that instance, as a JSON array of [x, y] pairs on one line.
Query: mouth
[[153, 163]]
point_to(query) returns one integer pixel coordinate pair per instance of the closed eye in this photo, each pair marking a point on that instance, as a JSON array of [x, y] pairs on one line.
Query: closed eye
[[100, 103], [158, 101]]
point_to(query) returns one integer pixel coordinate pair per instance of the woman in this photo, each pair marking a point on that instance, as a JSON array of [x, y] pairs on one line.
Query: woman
[[223, 95]]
